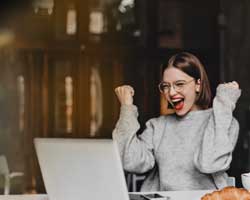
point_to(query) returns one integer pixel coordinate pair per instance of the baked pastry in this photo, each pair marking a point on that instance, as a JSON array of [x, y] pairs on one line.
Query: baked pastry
[[228, 193]]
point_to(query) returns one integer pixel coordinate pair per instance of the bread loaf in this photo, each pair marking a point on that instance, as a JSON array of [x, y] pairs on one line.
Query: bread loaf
[[228, 193]]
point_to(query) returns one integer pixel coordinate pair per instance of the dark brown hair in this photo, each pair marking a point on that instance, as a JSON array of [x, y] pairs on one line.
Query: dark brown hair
[[191, 65]]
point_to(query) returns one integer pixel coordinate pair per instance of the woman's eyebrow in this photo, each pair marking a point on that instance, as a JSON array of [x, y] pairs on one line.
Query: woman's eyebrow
[[165, 82], [181, 80]]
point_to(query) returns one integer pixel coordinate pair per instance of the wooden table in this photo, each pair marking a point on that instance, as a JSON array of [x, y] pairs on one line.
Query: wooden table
[[183, 195], [25, 197], [175, 195]]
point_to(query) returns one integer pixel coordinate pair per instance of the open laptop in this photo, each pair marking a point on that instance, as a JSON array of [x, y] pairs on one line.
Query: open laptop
[[81, 169]]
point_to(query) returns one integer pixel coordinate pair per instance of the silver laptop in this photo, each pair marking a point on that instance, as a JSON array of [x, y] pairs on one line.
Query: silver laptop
[[81, 169]]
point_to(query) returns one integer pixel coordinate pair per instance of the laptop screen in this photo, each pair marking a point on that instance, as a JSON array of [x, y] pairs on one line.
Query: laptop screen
[[81, 169]]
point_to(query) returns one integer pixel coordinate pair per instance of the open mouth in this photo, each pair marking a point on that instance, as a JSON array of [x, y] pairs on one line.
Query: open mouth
[[178, 103]]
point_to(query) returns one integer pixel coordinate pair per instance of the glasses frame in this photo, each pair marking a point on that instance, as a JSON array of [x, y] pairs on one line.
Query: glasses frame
[[174, 86]]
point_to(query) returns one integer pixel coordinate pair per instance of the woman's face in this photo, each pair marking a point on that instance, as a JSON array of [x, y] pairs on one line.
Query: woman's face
[[182, 90]]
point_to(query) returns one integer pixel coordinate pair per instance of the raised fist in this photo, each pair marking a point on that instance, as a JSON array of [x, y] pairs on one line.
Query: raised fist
[[125, 94]]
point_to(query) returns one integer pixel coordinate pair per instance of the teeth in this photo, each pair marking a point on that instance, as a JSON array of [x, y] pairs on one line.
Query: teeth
[[176, 100]]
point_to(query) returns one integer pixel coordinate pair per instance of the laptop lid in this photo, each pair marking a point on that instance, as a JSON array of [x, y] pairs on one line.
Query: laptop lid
[[81, 169]]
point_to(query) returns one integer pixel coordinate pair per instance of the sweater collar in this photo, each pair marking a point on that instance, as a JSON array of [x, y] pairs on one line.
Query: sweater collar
[[194, 114]]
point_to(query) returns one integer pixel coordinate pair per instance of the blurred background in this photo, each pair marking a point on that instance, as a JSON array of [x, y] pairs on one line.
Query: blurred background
[[60, 61]]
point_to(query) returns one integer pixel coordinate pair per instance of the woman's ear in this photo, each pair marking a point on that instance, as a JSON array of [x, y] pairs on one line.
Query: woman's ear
[[198, 85]]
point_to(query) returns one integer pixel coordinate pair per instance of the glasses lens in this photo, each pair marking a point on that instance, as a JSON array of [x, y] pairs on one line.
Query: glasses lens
[[163, 87], [179, 86]]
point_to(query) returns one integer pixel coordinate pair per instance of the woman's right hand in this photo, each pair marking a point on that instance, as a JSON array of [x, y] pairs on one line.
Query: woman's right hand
[[125, 94]]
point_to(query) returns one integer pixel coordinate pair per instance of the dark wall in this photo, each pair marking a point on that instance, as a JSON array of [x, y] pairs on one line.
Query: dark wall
[[236, 66]]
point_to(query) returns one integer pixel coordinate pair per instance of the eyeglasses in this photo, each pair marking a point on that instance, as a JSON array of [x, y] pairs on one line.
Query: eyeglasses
[[178, 86]]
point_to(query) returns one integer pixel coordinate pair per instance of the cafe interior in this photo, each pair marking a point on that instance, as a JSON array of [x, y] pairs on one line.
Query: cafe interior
[[60, 61]]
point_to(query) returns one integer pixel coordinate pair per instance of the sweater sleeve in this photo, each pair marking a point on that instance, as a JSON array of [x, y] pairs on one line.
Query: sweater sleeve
[[220, 134], [136, 152]]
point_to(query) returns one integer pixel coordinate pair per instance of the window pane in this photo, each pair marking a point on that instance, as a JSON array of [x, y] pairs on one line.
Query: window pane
[[69, 103], [21, 101]]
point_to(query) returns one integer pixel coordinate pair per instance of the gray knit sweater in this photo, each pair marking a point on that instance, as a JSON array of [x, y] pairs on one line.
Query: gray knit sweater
[[181, 153]]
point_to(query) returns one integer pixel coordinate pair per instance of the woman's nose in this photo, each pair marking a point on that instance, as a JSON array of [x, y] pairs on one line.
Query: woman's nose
[[172, 91]]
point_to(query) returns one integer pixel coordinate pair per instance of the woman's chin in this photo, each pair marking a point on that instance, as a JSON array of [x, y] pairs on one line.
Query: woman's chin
[[181, 112]]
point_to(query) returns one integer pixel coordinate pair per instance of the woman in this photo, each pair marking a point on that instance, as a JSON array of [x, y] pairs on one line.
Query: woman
[[190, 149]]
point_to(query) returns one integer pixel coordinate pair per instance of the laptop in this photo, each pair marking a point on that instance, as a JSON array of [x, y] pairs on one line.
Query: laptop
[[81, 169]]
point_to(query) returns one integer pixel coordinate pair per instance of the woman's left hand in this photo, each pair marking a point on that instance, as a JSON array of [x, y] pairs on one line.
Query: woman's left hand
[[229, 91], [232, 84]]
